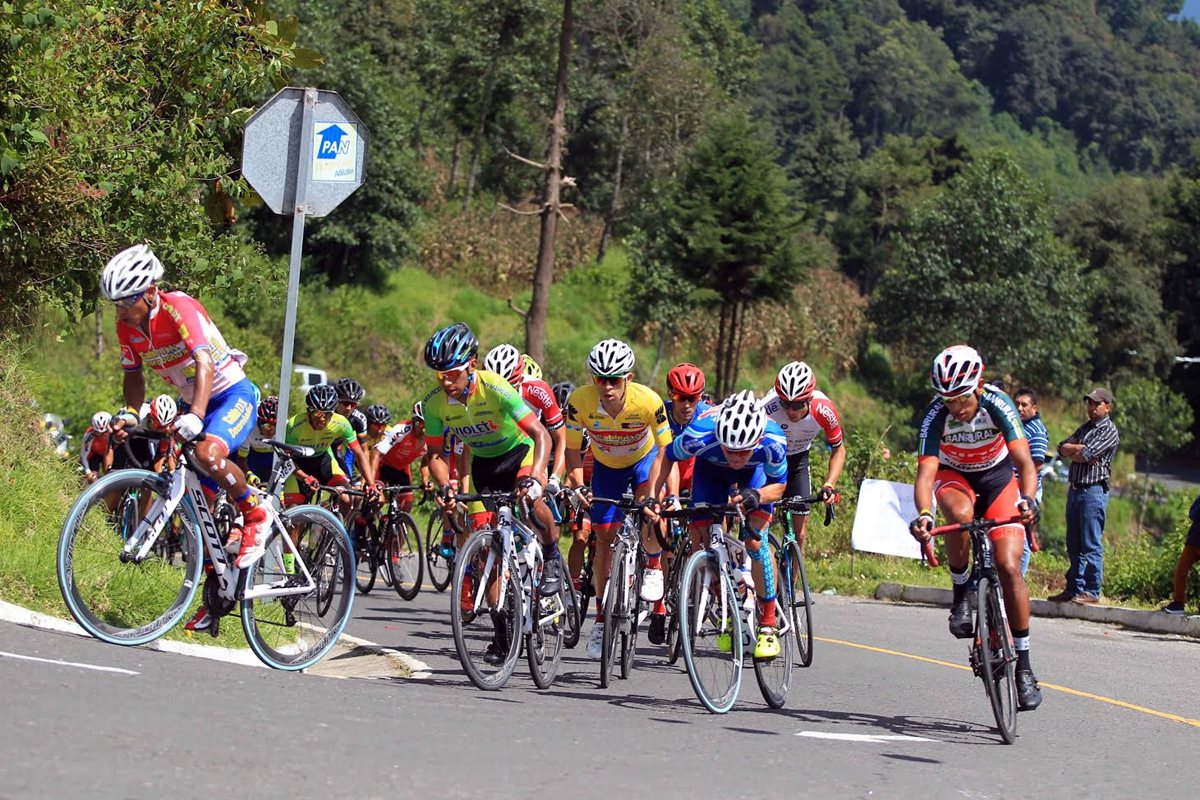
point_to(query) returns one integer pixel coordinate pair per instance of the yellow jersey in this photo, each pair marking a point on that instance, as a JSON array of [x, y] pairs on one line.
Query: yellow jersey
[[619, 441]]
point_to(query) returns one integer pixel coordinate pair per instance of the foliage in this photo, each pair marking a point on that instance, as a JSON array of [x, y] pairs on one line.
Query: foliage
[[116, 128], [979, 261], [1151, 418]]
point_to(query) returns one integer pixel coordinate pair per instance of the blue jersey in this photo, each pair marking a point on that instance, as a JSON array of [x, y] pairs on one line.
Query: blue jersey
[[699, 441], [677, 428]]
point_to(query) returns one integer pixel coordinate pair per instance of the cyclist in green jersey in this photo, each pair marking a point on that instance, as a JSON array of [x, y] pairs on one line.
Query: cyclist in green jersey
[[509, 447], [320, 429]]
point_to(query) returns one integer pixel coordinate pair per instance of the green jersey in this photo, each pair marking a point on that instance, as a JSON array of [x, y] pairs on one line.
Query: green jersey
[[487, 422], [300, 432]]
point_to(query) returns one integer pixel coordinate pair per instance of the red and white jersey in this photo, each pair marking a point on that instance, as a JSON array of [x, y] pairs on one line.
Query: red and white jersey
[[538, 396], [822, 417], [401, 446], [179, 327]]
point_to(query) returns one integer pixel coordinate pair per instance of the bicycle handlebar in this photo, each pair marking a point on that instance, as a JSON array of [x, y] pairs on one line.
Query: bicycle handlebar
[[795, 503]]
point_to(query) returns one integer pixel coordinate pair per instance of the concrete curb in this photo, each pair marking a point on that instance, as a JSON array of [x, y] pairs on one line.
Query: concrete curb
[[405, 665], [1134, 619]]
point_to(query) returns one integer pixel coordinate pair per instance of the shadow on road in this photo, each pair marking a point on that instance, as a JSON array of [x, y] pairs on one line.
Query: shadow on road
[[950, 731]]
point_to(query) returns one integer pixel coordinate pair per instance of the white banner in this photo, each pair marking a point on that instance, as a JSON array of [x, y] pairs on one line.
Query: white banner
[[885, 510]]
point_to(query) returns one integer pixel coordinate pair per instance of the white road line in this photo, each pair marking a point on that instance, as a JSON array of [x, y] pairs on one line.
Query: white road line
[[875, 738], [95, 667]]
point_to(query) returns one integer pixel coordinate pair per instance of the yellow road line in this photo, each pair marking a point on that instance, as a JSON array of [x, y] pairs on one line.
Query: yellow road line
[[1195, 723]]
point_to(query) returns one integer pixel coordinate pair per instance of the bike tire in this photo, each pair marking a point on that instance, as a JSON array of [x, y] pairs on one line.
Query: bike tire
[[629, 630], [544, 643], [716, 676], [799, 605], [294, 632], [441, 569], [405, 557], [472, 633], [997, 658], [572, 617], [774, 676], [674, 648], [608, 648], [121, 602], [366, 560]]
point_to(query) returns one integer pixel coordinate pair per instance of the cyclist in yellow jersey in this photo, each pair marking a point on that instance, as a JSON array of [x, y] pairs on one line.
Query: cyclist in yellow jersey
[[627, 425]]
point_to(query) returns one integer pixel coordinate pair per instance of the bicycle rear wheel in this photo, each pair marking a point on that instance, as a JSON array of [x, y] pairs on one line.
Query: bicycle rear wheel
[[487, 634], [404, 557], [997, 659], [544, 643], [114, 598], [629, 628], [366, 560], [441, 569], [775, 675], [612, 615], [572, 619], [292, 632], [710, 630]]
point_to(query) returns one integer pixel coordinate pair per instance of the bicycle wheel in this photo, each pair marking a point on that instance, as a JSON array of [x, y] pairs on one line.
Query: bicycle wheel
[[798, 603], [441, 569], [710, 629], [993, 640], [629, 628], [486, 633], [366, 561], [112, 596], [404, 558], [672, 602], [292, 632], [612, 611], [572, 619], [544, 642], [775, 675]]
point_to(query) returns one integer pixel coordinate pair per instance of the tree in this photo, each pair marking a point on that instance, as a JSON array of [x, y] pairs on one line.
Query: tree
[[727, 226], [1152, 420], [979, 263]]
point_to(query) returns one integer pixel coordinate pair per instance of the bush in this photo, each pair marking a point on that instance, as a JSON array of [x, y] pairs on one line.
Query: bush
[[1145, 570]]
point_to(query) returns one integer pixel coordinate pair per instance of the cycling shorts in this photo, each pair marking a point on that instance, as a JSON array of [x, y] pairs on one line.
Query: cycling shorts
[[328, 472], [993, 493], [799, 482], [390, 476], [260, 464], [613, 482], [143, 453], [687, 469], [96, 463], [232, 414], [714, 484], [499, 473]]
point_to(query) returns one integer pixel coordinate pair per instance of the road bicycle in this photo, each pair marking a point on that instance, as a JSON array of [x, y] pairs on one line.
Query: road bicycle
[[622, 599], [439, 561], [293, 602], [993, 657], [497, 576], [389, 544], [795, 599], [718, 610]]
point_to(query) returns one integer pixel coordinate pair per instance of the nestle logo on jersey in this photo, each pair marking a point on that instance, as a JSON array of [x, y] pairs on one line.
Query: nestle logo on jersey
[[632, 425], [968, 437], [477, 429]]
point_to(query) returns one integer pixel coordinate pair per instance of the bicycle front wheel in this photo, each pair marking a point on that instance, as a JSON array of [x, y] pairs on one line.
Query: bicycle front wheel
[[997, 659], [293, 631], [710, 629], [112, 595], [485, 612], [366, 562], [544, 643], [612, 615], [774, 675], [441, 569], [572, 621], [404, 557]]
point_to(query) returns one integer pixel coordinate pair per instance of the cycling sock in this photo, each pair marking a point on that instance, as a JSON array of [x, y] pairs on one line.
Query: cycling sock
[[959, 576], [659, 607], [768, 611], [654, 560], [1021, 644], [247, 501]]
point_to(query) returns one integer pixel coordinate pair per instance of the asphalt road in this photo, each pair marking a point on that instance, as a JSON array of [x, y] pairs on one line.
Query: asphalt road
[[859, 723]]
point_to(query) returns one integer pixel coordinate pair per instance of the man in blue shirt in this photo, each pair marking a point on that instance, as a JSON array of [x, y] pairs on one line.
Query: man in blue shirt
[[1039, 441]]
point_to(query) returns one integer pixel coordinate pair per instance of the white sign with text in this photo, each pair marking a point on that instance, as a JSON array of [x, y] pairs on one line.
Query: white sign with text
[[885, 510]]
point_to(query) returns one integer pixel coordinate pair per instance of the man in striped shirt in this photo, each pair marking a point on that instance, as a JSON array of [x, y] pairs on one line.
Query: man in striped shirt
[[1039, 441], [1090, 449]]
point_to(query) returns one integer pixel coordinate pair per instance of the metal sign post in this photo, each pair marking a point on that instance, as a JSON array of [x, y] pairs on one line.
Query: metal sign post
[[304, 152]]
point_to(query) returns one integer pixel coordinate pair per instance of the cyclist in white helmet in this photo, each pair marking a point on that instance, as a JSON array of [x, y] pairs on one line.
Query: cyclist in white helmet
[[96, 452], [970, 438]]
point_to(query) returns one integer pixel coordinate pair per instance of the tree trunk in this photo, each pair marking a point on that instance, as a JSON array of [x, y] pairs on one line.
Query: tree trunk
[[99, 335], [485, 109], [735, 320], [614, 206], [719, 355], [739, 342], [659, 352], [454, 157], [543, 275]]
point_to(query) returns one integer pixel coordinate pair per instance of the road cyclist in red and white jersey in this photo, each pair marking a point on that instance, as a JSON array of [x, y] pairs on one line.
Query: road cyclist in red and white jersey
[[804, 413], [96, 452], [173, 334], [526, 377], [395, 449], [969, 440]]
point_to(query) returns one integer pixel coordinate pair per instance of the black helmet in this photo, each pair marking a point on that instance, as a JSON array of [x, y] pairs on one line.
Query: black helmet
[[379, 414], [562, 391], [349, 390], [268, 409], [451, 347], [321, 397]]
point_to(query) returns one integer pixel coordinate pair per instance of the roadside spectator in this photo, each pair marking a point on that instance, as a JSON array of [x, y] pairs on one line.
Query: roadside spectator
[[1090, 449], [1039, 441], [1187, 559]]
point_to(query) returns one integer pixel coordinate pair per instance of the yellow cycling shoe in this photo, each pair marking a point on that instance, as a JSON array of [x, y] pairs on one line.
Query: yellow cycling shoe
[[767, 646], [724, 643]]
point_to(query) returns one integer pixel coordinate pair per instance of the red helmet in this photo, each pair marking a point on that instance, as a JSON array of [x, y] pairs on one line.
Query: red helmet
[[685, 378]]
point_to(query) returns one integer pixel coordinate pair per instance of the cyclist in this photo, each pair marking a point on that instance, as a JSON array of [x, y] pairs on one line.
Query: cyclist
[[509, 447], [320, 428], [969, 440], [96, 452], [173, 333], [163, 413], [626, 424], [803, 412], [349, 394], [395, 449], [506, 361], [741, 457], [255, 456], [580, 525]]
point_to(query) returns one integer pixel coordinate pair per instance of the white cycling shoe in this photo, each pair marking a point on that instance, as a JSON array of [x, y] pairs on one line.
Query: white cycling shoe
[[595, 642], [652, 585]]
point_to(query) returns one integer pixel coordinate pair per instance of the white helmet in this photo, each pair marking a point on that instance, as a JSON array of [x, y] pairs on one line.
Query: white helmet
[[163, 410], [740, 423], [611, 358], [505, 361], [133, 270], [957, 371], [795, 381], [101, 421]]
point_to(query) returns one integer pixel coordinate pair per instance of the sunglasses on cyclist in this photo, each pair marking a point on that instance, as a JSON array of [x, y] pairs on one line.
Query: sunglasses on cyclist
[[451, 374], [605, 380], [794, 405], [320, 414], [128, 302], [686, 398]]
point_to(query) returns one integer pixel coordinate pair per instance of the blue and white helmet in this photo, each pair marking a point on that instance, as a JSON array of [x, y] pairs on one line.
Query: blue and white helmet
[[451, 347], [741, 422]]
